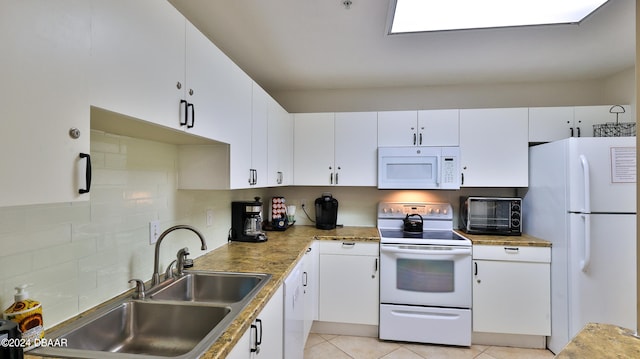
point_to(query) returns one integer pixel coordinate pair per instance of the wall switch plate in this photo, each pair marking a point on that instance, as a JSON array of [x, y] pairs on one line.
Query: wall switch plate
[[154, 231], [209, 217]]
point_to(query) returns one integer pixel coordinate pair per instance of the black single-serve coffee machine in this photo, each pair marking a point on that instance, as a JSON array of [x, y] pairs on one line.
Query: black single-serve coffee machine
[[326, 211], [246, 221]]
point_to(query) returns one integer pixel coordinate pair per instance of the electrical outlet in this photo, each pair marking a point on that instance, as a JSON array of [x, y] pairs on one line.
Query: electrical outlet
[[303, 203], [154, 231], [209, 217]]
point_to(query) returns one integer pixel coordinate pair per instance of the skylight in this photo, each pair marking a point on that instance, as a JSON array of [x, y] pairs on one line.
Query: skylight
[[439, 15]]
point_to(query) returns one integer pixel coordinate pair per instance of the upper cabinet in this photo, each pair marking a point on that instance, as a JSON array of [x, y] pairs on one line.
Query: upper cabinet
[[138, 60], [44, 95], [548, 124], [551, 123], [218, 93], [356, 149], [280, 145], [494, 147], [439, 127], [249, 144], [313, 149], [150, 63], [418, 128], [335, 149], [588, 116]]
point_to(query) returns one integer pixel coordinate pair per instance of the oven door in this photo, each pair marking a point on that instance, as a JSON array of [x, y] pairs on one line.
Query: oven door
[[429, 275]]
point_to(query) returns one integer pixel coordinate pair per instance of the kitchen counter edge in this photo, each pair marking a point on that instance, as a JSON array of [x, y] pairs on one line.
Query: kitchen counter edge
[[277, 256], [523, 240]]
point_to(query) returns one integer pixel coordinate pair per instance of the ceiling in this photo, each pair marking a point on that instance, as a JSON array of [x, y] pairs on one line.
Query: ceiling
[[298, 45]]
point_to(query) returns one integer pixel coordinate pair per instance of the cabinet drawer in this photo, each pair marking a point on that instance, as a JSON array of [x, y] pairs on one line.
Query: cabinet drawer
[[513, 253], [346, 247]]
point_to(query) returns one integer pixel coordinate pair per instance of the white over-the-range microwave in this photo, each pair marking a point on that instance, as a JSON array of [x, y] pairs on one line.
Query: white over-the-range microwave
[[419, 167]]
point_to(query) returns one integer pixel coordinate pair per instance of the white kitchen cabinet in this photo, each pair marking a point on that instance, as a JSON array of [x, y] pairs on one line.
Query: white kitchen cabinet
[[249, 146], [218, 90], [349, 283], [511, 290], [548, 124], [150, 63], [335, 149], [398, 128], [439, 127], [313, 149], [494, 147], [265, 333], [45, 68], [418, 128], [280, 145], [551, 123], [356, 149], [310, 268], [138, 59], [587, 116]]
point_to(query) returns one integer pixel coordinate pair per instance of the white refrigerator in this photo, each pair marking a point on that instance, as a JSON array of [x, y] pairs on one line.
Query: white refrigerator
[[582, 198]]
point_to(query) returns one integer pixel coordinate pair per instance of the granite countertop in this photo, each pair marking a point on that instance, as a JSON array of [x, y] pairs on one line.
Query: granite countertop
[[493, 240], [602, 341], [277, 256]]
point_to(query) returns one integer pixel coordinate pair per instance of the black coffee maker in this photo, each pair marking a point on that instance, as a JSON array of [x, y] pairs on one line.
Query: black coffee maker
[[326, 211], [246, 221]]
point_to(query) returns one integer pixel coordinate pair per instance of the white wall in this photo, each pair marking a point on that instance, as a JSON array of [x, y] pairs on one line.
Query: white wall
[[617, 89]]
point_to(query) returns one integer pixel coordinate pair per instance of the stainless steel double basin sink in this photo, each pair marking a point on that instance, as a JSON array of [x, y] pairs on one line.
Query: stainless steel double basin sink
[[181, 318]]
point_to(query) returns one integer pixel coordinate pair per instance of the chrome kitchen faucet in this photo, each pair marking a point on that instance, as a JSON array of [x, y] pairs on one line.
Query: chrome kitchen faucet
[[155, 279]]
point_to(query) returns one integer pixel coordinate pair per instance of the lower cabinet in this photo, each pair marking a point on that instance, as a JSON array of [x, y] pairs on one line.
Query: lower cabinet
[[512, 290], [349, 282], [264, 338]]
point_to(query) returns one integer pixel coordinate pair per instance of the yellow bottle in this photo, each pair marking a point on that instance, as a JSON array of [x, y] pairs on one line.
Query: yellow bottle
[[28, 314]]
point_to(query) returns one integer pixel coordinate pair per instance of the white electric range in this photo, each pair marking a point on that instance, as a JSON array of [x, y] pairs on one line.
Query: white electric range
[[425, 276]]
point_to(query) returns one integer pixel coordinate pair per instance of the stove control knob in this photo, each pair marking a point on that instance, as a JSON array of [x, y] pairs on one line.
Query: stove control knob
[[444, 211], [437, 210]]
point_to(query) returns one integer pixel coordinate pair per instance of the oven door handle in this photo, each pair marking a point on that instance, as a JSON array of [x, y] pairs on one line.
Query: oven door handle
[[439, 250]]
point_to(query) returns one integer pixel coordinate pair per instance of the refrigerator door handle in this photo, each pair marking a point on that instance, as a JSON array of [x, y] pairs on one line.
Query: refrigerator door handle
[[587, 184], [584, 263]]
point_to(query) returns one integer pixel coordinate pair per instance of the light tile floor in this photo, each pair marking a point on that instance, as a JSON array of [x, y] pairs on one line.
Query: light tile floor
[[322, 346]]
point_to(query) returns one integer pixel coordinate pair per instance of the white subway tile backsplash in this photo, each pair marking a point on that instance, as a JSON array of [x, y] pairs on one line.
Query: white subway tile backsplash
[[76, 256], [115, 161]]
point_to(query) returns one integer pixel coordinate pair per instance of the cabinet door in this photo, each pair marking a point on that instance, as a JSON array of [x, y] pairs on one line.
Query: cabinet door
[[242, 349], [356, 148], [494, 147], [587, 116], [438, 127], [511, 297], [44, 93], [270, 326], [138, 59], [397, 128], [280, 145], [314, 149], [349, 288], [548, 124], [259, 124]]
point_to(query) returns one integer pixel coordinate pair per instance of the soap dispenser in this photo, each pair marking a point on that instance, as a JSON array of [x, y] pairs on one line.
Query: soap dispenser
[[27, 313]]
